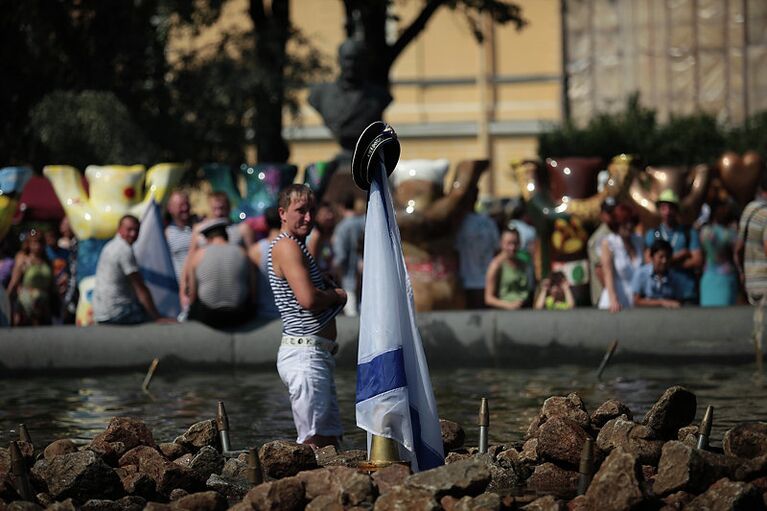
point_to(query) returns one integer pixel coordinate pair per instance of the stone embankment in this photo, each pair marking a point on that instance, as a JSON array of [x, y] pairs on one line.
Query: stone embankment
[[627, 463]]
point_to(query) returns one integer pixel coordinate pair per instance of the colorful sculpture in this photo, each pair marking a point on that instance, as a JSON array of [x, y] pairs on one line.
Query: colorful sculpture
[[114, 190], [559, 209], [263, 183], [428, 220], [12, 182]]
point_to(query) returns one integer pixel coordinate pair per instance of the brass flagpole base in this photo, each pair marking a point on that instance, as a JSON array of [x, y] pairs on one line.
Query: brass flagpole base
[[383, 453]]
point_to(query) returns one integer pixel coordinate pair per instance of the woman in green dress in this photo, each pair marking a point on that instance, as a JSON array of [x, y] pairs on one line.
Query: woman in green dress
[[32, 285], [510, 281]]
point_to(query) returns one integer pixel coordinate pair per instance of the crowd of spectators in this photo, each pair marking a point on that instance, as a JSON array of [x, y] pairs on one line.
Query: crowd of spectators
[[221, 267]]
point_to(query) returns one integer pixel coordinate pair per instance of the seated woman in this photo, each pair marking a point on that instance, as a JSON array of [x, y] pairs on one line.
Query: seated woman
[[510, 281], [32, 285], [555, 293], [621, 256]]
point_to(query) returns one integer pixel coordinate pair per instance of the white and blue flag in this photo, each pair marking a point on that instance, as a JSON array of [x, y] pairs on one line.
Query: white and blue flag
[[394, 394], [155, 262]]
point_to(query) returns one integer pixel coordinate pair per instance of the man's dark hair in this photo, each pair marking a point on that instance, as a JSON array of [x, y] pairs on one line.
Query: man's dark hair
[[126, 217], [217, 232], [348, 201], [661, 244], [272, 217]]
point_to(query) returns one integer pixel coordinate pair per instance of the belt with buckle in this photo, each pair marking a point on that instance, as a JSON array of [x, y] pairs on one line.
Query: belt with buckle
[[310, 342]]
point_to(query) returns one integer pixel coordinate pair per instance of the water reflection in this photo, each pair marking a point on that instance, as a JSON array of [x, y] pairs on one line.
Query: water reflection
[[259, 409]]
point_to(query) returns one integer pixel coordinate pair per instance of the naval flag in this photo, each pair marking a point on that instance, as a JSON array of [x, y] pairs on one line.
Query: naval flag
[[394, 394], [154, 261]]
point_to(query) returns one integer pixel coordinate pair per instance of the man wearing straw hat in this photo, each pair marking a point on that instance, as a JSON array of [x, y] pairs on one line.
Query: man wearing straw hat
[[308, 303]]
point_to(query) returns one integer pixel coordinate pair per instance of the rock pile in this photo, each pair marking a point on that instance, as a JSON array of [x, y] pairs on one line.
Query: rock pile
[[649, 464]]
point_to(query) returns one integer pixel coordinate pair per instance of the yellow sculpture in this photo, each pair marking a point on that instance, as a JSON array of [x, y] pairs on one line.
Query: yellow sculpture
[[12, 182], [115, 190]]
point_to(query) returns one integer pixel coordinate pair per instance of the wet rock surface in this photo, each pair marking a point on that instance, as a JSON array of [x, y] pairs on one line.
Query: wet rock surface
[[465, 477], [453, 435], [619, 483], [199, 435], [561, 440], [682, 467], [80, 476], [728, 495], [58, 448], [611, 409], [673, 410], [648, 465], [282, 458], [747, 440], [631, 437]]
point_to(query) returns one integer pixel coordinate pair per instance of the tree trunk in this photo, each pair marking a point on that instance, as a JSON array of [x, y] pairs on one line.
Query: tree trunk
[[271, 34]]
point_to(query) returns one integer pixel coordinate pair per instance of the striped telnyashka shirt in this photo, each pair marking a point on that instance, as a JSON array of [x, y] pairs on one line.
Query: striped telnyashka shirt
[[295, 319], [753, 229]]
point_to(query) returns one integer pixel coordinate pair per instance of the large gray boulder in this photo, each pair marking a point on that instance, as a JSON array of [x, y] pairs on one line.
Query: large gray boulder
[[79, 476], [465, 477], [618, 484], [282, 458], [673, 410], [682, 467], [747, 440]]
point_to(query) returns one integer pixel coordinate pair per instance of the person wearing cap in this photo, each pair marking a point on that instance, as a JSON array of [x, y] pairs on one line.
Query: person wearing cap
[[120, 295], [597, 282], [687, 257], [308, 303], [221, 280], [238, 234]]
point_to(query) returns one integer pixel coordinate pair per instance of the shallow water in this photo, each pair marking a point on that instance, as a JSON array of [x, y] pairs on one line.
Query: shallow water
[[259, 409]]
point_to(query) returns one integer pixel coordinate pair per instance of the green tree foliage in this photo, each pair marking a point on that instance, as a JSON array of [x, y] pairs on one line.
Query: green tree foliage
[[683, 140], [199, 110], [78, 45], [90, 127]]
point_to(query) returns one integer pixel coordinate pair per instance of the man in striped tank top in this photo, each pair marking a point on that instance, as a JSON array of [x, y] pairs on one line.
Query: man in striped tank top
[[308, 303]]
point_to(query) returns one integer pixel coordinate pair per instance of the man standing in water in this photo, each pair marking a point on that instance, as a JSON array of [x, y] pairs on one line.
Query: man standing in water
[[308, 303]]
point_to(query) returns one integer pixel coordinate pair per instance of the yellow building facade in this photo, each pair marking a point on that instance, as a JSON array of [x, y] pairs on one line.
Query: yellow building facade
[[454, 97]]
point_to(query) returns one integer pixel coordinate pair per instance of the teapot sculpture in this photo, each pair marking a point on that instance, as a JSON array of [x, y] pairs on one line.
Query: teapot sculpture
[[560, 202], [114, 191], [689, 183]]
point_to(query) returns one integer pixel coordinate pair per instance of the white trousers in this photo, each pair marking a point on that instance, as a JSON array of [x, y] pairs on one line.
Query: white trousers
[[307, 371]]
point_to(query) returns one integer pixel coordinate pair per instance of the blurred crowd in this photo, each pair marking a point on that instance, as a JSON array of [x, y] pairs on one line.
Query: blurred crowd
[[220, 267]]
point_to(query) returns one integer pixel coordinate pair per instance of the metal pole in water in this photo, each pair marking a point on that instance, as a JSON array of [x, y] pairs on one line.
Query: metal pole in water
[[586, 467], [608, 355], [253, 470], [20, 475], [705, 428], [222, 424], [484, 424], [24, 434], [150, 374]]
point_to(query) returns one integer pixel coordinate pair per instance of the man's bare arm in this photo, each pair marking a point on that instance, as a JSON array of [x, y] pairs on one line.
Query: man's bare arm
[[289, 262], [143, 295]]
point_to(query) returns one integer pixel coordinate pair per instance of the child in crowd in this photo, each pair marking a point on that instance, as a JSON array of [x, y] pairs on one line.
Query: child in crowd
[[510, 281], [555, 293]]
